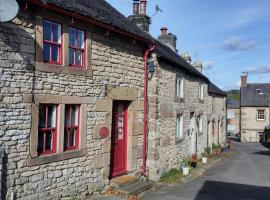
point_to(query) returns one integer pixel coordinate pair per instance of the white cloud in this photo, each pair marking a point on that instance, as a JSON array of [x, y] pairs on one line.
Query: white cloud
[[259, 70], [235, 43], [208, 64], [238, 84]]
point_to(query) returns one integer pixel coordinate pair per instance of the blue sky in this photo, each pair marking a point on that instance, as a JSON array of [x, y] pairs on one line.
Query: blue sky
[[228, 36]]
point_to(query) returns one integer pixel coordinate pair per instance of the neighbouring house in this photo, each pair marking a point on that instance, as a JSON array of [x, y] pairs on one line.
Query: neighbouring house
[[233, 116], [217, 116], [72, 98], [254, 109]]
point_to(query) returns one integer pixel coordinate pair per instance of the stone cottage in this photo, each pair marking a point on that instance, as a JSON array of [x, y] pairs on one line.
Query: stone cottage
[[254, 109], [233, 116], [72, 98], [217, 116]]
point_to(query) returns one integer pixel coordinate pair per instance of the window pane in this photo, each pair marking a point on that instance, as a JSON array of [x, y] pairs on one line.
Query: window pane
[[48, 140], [56, 33], [177, 127], [51, 116], [42, 116], [78, 57], [40, 141], [71, 56], [46, 52], [55, 53], [72, 36], [72, 137], [67, 116], [47, 26], [66, 138], [74, 116], [80, 41]]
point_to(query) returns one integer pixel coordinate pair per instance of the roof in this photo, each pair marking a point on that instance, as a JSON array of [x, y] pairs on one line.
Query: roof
[[214, 89], [233, 104], [255, 95], [101, 11], [168, 54]]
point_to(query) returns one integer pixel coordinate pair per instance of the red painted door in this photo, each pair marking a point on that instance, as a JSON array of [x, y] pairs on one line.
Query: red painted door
[[119, 139]]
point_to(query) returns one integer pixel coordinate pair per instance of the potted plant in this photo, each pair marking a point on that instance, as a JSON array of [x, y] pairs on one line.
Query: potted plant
[[185, 167], [193, 161], [216, 149], [204, 157]]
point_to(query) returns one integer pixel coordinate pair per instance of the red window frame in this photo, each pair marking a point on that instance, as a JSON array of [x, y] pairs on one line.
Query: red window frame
[[51, 42], [45, 131], [76, 48], [72, 126]]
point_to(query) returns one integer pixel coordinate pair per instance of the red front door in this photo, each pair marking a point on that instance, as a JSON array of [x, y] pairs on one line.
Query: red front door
[[119, 139]]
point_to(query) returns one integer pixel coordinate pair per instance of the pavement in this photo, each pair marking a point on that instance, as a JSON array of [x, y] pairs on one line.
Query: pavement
[[243, 176]]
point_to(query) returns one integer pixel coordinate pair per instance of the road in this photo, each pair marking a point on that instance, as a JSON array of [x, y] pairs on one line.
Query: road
[[244, 176]]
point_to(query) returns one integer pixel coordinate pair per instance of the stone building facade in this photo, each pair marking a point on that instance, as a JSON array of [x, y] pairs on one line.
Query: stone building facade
[[56, 119], [177, 110], [217, 116], [233, 116]]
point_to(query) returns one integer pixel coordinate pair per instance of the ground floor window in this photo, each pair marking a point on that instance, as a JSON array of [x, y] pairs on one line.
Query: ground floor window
[[179, 126]]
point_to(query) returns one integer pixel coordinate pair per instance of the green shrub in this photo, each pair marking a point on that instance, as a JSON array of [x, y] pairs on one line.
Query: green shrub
[[172, 176]]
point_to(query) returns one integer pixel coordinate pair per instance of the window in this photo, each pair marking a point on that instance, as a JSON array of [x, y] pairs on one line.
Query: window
[[201, 91], [230, 115], [179, 86], [71, 132], [200, 123], [231, 127], [260, 114], [52, 42], [76, 47], [179, 126], [47, 129]]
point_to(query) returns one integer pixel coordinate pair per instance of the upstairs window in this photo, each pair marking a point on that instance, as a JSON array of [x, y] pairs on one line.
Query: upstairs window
[[260, 114], [47, 128], [52, 42], [179, 126], [71, 132], [179, 86], [76, 48], [201, 92]]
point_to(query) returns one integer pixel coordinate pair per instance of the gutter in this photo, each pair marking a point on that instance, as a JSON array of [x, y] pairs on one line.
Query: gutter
[[90, 20], [145, 128]]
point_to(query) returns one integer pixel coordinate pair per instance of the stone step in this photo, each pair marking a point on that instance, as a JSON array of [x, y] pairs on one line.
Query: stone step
[[123, 181], [135, 188]]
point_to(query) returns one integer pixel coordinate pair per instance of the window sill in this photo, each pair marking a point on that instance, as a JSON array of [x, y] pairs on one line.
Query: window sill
[[58, 69], [56, 157], [178, 141]]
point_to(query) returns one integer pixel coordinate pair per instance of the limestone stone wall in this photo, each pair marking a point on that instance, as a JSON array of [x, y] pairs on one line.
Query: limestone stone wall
[[164, 152], [216, 119], [116, 63], [250, 126]]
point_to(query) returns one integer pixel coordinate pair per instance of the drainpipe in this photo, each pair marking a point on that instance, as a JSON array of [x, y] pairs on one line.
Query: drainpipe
[[146, 54]]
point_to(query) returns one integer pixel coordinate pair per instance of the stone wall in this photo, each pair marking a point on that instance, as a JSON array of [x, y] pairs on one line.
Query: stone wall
[[250, 126], [234, 121], [116, 62], [164, 152]]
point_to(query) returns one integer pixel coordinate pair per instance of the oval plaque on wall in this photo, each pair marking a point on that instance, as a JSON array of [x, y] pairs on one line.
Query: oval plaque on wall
[[104, 132]]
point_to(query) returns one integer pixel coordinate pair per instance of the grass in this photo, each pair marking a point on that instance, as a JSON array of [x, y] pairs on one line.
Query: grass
[[172, 176]]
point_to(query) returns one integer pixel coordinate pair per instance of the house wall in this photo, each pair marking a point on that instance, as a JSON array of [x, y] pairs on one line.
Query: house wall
[[164, 152], [234, 121], [116, 74], [250, 126], [216, 119]]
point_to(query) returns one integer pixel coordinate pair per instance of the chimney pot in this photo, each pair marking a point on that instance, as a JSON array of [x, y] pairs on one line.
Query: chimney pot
[[198, 65], [136, 5], [164, 31], [143, 7], [186, 57]]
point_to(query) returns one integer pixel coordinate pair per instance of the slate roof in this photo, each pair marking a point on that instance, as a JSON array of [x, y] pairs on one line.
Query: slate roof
[[168, 54], [233, 104], [101, 11], [251, 97], [214, 89]]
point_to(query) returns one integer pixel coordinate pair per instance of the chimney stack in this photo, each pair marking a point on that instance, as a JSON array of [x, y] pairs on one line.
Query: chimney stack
[[136, 7], [198, 65], [244, 79], [186, 57], [143, 7], [168, 38], [140, 18]]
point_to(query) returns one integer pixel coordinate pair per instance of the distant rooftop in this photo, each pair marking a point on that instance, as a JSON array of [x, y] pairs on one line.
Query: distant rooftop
[[233, 104]]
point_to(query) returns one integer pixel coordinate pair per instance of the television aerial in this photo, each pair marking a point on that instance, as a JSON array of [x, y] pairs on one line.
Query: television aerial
[[158, 9], [8, 10]]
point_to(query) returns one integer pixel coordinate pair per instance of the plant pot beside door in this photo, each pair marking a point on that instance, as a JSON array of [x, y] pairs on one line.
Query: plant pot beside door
[[185, 170], [204, 158]]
